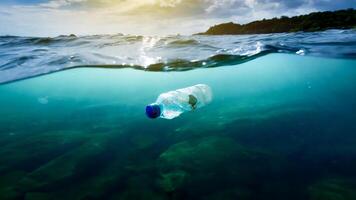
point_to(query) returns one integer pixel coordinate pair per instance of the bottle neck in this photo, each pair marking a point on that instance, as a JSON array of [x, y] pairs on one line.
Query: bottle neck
[[153, 110]]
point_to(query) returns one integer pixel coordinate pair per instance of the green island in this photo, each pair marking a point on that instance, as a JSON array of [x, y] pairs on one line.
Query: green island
[[316, 21]]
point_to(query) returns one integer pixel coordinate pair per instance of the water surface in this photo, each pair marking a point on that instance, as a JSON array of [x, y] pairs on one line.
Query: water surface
[[23, 57]]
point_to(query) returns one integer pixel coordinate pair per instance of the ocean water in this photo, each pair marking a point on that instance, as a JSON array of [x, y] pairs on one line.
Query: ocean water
[[281, 124], [23, 57]]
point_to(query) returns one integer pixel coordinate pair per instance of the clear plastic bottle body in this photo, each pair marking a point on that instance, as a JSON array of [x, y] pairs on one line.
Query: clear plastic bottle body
[[174, 103]]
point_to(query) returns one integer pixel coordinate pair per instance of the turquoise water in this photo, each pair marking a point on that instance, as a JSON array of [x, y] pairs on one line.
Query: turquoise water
[[279, 127]]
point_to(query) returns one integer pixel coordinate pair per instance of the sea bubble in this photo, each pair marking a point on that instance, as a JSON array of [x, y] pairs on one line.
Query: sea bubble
[[43, 100], [300, 52]]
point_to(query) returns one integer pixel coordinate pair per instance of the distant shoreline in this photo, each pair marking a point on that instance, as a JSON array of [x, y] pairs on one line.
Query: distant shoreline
[[316, 21]]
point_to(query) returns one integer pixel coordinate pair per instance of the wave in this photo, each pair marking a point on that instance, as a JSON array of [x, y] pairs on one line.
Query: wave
[[23, 57], [184, 42], [218, 60], [15, 40], [184, 65]]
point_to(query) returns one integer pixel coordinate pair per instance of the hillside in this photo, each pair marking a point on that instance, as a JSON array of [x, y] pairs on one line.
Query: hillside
[[317, 21]]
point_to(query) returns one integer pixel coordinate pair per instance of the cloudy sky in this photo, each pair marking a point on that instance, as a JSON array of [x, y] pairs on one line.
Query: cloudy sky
[[144, 17]]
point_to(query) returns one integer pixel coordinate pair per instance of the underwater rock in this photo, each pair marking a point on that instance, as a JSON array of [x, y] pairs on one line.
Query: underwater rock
[[94, 170], [208, 159], [37, 196], [197, 154], [169, 182], [7, 185], [9, 193], [75, 163], [139, 187], [181, 160], [98, 186], [33, 151], [333, 189], [143, 140], [138, 195], [230, 194]]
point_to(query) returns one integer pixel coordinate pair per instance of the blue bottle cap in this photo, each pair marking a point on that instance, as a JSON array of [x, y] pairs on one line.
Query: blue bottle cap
[[153, 111]]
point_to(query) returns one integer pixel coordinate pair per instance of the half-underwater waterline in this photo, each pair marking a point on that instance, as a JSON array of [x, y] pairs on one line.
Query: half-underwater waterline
[[280, 126]]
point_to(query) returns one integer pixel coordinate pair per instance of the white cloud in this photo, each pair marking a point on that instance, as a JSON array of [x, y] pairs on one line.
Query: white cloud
[[60, 3], [144, 16], [169, 3]]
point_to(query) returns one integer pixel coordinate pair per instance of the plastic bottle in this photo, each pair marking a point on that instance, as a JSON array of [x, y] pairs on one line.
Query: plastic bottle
[[171, 104]]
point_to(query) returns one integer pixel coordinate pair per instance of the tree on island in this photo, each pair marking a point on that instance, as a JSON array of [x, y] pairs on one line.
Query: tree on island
[[317, 21]]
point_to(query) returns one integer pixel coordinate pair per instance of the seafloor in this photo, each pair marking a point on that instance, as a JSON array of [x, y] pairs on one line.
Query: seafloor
[[279, 127]]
